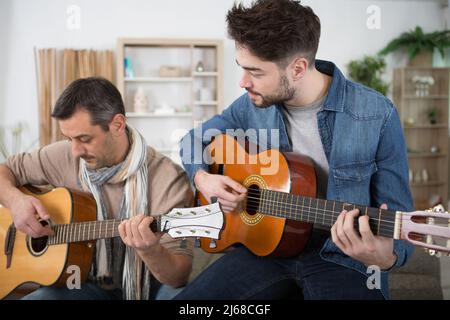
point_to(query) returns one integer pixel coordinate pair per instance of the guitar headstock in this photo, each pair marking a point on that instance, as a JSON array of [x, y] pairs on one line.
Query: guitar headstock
[[429, 229], [200, 222]]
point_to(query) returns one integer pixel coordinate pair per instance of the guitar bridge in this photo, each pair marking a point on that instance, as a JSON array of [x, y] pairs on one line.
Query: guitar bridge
[[9, 244]]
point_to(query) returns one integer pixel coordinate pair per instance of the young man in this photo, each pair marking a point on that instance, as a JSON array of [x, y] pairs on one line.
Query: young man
[[351, 132], [128, 180]]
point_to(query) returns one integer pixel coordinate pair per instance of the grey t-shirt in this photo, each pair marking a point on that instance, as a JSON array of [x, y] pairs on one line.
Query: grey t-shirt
[[301, 124]]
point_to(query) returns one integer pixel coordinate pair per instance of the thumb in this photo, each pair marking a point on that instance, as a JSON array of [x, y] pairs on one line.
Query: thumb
[[40, 209], [234, 185]]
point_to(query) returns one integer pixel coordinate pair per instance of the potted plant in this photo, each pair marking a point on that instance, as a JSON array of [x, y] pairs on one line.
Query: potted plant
[[432, 116], [368, 71], [419, 45]]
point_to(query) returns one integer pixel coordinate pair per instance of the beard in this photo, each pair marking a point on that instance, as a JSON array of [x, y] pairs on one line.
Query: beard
[[283, 93]]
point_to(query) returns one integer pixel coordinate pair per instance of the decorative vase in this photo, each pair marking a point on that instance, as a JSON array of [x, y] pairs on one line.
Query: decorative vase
[[140, 101]]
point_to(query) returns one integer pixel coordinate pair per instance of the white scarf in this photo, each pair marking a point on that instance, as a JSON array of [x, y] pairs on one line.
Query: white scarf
[[133, 170]]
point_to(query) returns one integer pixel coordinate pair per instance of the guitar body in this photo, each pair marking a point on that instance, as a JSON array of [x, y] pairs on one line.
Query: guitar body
[[33, 260], [262, 234]]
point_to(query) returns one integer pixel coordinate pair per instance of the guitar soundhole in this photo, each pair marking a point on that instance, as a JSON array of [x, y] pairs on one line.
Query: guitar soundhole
[[37, 246], [253, 198]]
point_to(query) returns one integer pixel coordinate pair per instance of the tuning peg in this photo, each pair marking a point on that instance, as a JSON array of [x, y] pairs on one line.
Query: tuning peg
[[439, 208], [183, 243], [197, 242], [212, 244], [433, 253]]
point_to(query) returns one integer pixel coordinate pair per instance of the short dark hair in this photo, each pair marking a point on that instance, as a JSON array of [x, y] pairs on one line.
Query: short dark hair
[[275, 30], [98, 96]]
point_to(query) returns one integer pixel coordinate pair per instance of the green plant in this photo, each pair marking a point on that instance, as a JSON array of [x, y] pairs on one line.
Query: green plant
[[416, 41], [368, 71], [432, 116]]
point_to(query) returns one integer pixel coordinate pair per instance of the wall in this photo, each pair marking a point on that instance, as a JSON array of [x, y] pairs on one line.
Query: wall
[[27, 24]]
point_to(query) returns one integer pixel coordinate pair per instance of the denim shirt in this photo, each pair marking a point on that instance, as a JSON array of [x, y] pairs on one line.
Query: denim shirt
[[363, 141]]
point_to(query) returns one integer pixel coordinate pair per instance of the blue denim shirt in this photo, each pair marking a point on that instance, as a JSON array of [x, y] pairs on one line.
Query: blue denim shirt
[[363, 142]]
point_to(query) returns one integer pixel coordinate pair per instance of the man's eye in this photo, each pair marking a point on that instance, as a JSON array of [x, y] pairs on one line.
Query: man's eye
[[85, 140]]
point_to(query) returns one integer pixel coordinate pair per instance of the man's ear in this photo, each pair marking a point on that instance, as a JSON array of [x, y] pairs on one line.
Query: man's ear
[[298, 68], [118, 125]]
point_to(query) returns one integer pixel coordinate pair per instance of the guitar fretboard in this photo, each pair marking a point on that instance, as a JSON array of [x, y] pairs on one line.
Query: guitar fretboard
[[90, 230], [317, 211]]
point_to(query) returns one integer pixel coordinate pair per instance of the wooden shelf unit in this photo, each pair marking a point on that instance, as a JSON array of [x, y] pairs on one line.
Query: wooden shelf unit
[[427, 143], [180, 91]]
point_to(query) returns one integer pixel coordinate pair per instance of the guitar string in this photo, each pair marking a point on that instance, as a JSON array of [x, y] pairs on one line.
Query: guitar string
[[113, 228], [258, 196], [329, 221], [383, 223], [256, 201], [309, 210], [74, 233]]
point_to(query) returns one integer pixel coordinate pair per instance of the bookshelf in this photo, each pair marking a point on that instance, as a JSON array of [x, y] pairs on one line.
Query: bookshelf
[[180, 82], [422, 97]]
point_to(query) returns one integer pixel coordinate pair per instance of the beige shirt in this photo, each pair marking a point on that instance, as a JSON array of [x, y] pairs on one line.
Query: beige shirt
[[168, 185]]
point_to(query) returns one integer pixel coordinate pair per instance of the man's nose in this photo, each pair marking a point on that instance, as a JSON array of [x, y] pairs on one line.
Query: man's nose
[[77, 149], [245, 81]]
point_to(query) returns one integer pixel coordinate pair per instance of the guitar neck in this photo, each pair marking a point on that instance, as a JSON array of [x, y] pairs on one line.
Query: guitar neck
[[319, 211], [90, 230]]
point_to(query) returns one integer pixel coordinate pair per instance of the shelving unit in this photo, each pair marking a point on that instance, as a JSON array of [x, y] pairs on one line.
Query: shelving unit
[[190, 95], [427, 142]]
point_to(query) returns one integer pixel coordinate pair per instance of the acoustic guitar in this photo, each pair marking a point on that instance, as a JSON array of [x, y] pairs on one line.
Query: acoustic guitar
[[281, 206], [45, 260]]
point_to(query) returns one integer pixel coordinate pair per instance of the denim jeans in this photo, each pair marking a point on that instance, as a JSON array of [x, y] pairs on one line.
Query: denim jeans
[[88, 291], [241, 275], [167, 292]]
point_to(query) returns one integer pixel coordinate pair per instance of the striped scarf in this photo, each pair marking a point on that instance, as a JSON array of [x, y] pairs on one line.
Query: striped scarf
[[133, 170]]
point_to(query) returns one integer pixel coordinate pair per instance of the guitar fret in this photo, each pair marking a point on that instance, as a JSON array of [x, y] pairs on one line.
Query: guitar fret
[[303, 207], [64, 234], [280, 203], [309, 209], [272, 203], [291, 202], [317, 211], [277, 203], [332, 213]]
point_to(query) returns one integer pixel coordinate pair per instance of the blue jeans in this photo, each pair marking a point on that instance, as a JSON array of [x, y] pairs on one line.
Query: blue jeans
[[167, 292], [88, 291], [241, 275]]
